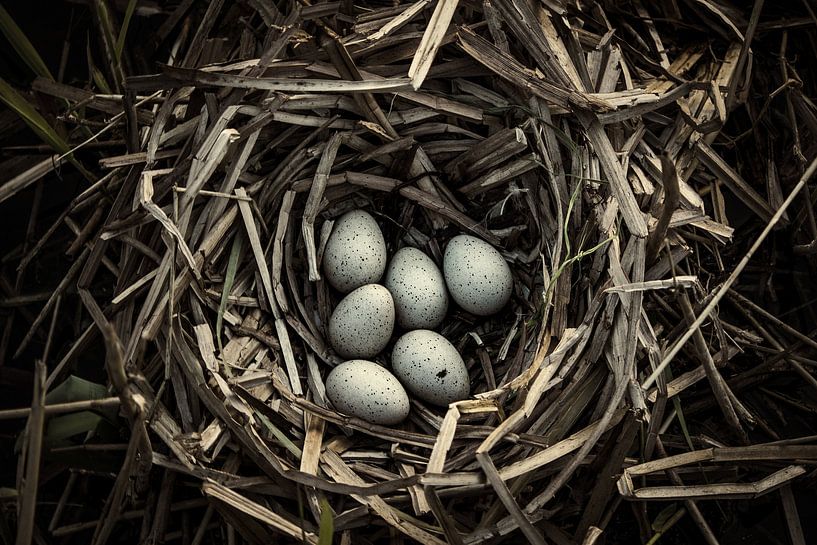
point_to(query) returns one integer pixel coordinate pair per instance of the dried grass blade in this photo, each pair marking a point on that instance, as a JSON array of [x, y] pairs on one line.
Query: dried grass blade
[[557, 450], [685, 281], [338, 469], [509, 69], [313, 441], [69, 277], [718, 12], [432, 38], [793, 518], [27, 496], [716, 491], [284, 213], [190, 76], [209, 156], [442, 516], [507, 499], [733, 276], [229, 278], [313, 202], [266, 280], [500, 175], [672, 198], [735, 181], [395, 24], [442, 444], [146, 200], [259, 512], [25, 179]]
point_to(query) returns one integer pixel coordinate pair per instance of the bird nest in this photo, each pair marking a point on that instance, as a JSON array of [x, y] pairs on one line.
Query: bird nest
[[580, 143]]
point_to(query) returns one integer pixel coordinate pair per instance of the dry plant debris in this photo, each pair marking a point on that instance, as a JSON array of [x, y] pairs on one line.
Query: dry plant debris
[[645, 169]]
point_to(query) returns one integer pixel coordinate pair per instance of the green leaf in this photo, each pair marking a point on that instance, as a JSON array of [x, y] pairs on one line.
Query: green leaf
[[68, 425], [683, 422], [65, 426], [229, 279], [22, 46], [120, 41], [327, 524], [59, 428], [76, 389]]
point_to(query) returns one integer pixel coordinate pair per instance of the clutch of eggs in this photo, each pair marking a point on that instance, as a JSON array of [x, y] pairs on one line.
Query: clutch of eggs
[[415, 296]]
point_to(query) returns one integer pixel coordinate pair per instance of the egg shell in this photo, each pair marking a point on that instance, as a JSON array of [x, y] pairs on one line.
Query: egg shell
[[430, 367], [365, 389], [362, 323], [355, 254], [418, 289], [477, 276]]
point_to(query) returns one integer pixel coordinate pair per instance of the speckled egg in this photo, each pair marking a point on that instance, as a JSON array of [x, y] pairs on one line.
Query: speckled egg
[[355, 254], [418, 289], [477, 276], [362, 323], [365, 389], [430, 367]]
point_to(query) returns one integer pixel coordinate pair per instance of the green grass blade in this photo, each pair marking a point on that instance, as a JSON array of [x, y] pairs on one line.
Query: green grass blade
[[229, 279], [109, 50], [327, 524], [571, 203], [279, 435], [22, 107], [120, 41], [577, 257], [37, 123], [679, 412], [22, 46], [665, 520], [96, 75]]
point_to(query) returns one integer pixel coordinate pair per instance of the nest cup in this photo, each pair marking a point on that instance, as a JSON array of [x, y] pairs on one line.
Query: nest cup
[[287, 339], [593, 145]]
